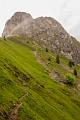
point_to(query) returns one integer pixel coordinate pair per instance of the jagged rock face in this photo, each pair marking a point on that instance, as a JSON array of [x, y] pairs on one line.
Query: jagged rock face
[[46, 31], [16, 25]]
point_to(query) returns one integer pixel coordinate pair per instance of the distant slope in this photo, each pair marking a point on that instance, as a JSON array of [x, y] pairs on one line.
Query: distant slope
[[27, 88]]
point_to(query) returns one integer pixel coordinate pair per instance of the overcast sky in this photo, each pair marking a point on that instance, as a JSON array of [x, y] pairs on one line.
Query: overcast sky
[[67, 12]]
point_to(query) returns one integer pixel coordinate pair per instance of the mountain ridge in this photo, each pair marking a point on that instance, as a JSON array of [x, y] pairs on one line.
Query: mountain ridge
[[46, 31]]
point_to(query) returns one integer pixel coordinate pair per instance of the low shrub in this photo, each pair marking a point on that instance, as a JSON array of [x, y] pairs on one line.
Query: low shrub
[[70, 79]]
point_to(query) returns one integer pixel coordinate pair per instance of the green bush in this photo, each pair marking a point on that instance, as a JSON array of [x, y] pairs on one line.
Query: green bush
[[70, 79]]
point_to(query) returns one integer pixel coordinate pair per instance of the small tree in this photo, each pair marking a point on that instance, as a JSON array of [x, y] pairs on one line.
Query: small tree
[[57, 59], [71, 63], [4, 38], [46, 49], [75, 72], [49, 59], [70, 79]]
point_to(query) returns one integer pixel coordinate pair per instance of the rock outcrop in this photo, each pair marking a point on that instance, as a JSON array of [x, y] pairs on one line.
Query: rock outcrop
[[16, 25], [46, 31]]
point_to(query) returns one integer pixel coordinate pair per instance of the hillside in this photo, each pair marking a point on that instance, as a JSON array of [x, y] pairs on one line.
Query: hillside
[[32, 86]]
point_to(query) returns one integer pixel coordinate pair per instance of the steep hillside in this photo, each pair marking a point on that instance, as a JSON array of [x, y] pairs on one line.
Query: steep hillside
[[31, 85]]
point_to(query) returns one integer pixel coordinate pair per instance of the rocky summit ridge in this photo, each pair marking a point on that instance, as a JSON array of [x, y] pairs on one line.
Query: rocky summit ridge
[[46, 31]]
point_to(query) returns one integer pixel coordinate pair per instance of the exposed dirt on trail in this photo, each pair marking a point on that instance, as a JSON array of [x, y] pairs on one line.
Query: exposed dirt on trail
[[54, 75], [14, 112]]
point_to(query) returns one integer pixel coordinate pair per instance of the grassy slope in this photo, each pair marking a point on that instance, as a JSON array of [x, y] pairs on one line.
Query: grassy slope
[[20, 73]]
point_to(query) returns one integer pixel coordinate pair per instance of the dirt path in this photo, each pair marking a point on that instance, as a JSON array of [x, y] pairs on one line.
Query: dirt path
[[14, 112], [54, 75], [39, 60]]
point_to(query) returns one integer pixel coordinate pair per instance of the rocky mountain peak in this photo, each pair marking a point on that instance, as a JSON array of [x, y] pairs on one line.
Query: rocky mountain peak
[[46, 31], [15, 22], [19, 17]]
